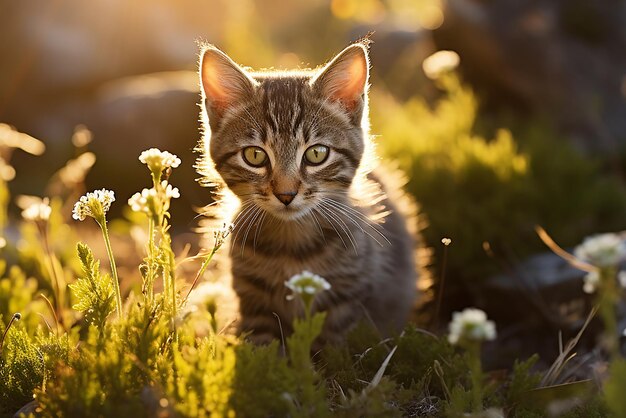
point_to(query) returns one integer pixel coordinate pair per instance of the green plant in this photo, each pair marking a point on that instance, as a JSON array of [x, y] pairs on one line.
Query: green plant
[[94, 292], [475, 189]]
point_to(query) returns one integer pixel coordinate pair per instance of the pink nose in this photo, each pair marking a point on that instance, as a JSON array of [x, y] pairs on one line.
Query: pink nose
[[286, 198]]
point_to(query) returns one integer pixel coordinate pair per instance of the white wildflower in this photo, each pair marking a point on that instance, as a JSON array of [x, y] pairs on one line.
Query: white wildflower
[[141, 202], [592, 280], [147, 201], [95, 204], [38, 212], [471, 324], [307, 283], [621, 278], [170, 192], [603, 250], [158, 160]]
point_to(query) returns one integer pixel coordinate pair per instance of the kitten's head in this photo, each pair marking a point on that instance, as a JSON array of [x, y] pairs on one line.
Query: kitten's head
[[285, 141]]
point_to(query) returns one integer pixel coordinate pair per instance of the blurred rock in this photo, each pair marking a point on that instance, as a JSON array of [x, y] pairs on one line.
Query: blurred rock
[[561, 60], [535, 303], [137, 113], [544, 286]]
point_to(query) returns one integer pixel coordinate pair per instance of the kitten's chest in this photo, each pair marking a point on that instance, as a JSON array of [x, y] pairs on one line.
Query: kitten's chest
[[275, 260]]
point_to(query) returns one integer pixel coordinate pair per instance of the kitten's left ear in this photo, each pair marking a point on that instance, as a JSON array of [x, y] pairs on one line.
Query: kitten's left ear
[[344, 79]]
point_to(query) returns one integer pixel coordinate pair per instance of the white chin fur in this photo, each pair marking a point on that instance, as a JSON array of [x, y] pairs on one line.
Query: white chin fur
[[288, 213]]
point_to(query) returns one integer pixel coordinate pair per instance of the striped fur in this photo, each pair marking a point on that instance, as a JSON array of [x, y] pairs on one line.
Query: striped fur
[[341, 223]]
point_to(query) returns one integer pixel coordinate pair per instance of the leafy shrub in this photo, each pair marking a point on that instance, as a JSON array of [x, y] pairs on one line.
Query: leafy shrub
[[475, 189]]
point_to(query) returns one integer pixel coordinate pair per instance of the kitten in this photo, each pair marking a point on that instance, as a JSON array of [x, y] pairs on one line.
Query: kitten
[[294, 148]]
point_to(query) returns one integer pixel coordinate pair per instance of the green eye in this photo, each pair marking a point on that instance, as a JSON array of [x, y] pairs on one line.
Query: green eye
[[316, 154], [254, 156]]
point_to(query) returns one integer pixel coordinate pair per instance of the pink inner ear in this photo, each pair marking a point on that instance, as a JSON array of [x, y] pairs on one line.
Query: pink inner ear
[[345, 79], [224, 84], [213, 88], [354, 83]]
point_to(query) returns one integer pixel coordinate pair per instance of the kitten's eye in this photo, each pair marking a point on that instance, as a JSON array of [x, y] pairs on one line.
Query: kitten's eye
[[316, 154], [254, 156]]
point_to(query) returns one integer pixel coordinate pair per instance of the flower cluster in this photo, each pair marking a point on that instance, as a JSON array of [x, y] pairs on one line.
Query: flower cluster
[[307, 283], [38, 212], [471, 325], [94, 204], [591, 281], [158, 160], [142, 202], [170, 192], [603, 250], [147, 201]]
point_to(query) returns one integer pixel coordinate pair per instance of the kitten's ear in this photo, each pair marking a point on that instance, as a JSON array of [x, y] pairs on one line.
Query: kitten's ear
[[344, 79], [225, 84]]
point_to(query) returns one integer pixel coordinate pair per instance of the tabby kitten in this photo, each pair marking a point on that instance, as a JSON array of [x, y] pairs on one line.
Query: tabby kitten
[[294, 148]]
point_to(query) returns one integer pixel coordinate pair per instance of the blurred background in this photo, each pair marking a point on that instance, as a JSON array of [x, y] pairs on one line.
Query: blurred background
[[521, 121]]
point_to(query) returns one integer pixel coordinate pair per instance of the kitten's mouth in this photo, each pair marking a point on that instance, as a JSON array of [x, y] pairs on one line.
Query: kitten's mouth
[[289, 213]]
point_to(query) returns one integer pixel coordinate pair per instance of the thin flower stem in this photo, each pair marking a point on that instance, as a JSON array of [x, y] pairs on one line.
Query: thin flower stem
[[308, 307], [56, 286], [442, 285], [156, 179], [116, 283], [476, 375], [151, 250], [172, 277], [608, 296], [203, 267]]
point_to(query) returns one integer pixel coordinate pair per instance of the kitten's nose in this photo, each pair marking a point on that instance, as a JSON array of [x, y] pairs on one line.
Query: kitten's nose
[[285, 197]]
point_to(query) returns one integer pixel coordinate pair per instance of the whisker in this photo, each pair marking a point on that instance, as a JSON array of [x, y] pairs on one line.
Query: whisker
[[323, 215], [249, 212], [337, 215], [257, 213], [332, 214], [362, 216], [218, 202], [256, 233], [348, 211], [244, 209], [319, 226]]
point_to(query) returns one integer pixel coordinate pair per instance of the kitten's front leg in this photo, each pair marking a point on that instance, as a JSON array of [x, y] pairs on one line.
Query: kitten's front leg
[[259, 319], [262, 329]]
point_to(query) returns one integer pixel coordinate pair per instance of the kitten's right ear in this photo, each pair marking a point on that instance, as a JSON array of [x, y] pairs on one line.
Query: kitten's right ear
[[224, 83]]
